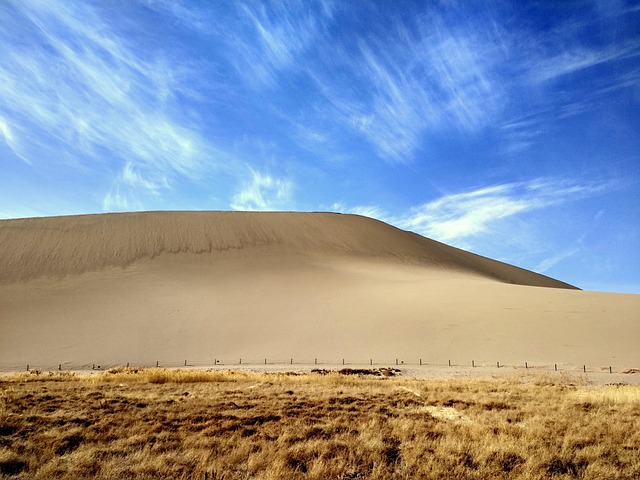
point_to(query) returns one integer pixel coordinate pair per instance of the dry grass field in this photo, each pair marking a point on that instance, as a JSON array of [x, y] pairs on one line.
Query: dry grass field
[[159, 423]]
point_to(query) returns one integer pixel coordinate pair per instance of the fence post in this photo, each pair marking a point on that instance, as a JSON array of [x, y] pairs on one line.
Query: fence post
[[396, 361], [343, 361], [420, 361], [157, 363], [127, 364], [526, 365], [292, 361], [93, 367], [449, 362], [371, 361], [315, 361], [473, 364], [185, 363], [60, 367], [27, 367], [498, 364], [265, 361], [609, 368], [240, 362], [555, 365], [584, 368]]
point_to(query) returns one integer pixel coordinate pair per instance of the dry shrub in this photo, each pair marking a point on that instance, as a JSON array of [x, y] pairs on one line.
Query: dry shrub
[[11, 463]]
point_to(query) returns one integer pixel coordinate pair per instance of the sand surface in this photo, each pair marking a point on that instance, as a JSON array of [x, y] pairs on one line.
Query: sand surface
[[207, 286]]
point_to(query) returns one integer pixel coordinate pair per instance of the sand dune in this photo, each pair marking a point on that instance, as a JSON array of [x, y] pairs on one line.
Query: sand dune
[[169, 286], [60, 246]]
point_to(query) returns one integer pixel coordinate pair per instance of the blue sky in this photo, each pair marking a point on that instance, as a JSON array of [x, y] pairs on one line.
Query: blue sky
[[511, 129]]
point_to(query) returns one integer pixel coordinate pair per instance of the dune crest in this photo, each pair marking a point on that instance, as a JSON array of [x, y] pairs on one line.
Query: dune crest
[[61, 246]]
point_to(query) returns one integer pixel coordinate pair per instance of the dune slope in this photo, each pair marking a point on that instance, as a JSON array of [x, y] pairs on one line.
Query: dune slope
[[205, 286]]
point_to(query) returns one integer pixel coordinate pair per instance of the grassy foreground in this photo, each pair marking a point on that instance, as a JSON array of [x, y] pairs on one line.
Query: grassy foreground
[[230, 425]]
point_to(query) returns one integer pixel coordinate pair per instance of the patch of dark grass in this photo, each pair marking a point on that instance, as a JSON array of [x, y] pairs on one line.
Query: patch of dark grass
[[260, 419], [7, 430], [496, 406], [13, 465], [373, 372], [297, 464], [562, 466], [391, 450], [505, 461], [69, 443]]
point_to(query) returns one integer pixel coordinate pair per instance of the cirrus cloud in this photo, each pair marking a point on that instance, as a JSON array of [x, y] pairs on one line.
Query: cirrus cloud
[[264, 192]]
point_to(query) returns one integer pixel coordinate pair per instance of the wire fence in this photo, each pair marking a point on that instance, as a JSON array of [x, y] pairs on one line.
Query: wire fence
[[228, 362]]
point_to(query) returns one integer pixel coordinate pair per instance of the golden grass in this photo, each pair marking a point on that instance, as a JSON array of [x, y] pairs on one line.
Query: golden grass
[[624, 394], [158, 423]]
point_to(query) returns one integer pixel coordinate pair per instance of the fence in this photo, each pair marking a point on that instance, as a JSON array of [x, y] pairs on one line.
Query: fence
[[344, 362]]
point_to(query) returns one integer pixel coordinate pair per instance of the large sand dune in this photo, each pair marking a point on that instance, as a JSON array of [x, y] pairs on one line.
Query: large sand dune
[[169, 286]]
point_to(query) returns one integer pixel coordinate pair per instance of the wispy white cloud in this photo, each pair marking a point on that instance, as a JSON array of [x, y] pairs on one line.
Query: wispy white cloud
[[4, 130], [438, 71], [264, 192], [127, 189], [190, 15], [462, 216], [397, 112], [541, 60], [550, 262], [413, 79], [114, 201], [464, 66], [11, 140], [270, 38], [81, 93], [8, 213], [371, 211], [495, 212], [135, 179], [580, 58], [521, 132]]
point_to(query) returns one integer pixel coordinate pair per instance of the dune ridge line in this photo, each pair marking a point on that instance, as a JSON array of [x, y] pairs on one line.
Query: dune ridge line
[[67, 245]]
